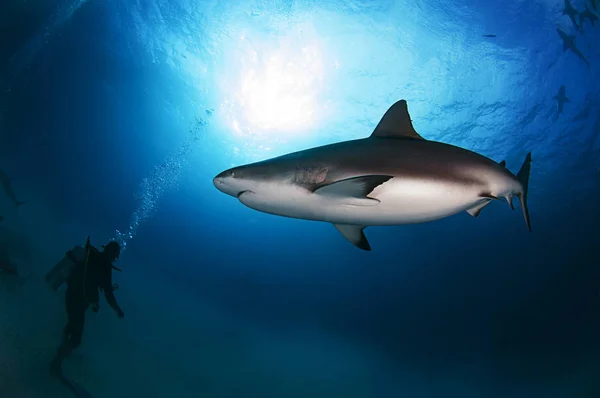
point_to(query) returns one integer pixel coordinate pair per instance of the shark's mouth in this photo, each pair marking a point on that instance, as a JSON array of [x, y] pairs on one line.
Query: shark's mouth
[[241, 193]]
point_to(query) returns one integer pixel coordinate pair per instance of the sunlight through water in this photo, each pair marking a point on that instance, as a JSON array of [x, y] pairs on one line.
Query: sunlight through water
[[272, 88]]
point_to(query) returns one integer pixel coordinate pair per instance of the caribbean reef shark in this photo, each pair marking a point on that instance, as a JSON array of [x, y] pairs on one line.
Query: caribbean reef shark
[[393, 177], [7, 185], [590, 16], [569, 44], [572, 13]]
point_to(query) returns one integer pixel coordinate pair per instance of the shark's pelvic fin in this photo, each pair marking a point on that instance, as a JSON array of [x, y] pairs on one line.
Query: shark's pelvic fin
[[355, 235], [475, 210], [354, 190], [509, 199], [396, 123], [523, 177]]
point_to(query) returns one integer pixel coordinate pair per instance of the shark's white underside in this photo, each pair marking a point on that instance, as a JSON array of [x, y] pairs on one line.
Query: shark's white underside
[[397, 201]]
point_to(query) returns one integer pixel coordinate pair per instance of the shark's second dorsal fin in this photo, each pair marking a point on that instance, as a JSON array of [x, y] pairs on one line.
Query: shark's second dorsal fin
[[396, 123]]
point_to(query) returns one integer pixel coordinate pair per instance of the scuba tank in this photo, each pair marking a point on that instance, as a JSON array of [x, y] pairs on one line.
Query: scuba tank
[[62, 270]]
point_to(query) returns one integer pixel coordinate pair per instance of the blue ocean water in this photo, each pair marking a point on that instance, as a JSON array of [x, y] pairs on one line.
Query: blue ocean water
[[116, 115]]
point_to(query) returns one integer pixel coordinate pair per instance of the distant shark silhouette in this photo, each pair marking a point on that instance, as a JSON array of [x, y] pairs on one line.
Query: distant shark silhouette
[[561, 98], [587, 14], [572, 13], [7, 185], [569, 44], [393, 177]]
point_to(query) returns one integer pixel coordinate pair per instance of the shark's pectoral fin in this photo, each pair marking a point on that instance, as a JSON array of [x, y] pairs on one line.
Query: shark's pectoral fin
[[475, 210], [396, 123], [355, 235], [354, 191]]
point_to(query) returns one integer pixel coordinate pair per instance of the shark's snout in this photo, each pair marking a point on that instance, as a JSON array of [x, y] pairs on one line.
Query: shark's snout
[[228, 184]]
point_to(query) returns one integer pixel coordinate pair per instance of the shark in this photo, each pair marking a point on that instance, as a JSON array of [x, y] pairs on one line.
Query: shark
[[9, 268], [392, 177], [561, 98], [589, 15], [572, 13], [569, 44], [7, 185]]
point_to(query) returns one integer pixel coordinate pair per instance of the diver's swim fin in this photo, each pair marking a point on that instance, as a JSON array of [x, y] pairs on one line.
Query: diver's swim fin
[[75, 388]]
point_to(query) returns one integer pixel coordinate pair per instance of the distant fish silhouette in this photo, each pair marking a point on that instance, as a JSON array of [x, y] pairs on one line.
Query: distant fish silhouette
[[572, 13], [569, 44], [587, 14], [488, 35], [561, 98]]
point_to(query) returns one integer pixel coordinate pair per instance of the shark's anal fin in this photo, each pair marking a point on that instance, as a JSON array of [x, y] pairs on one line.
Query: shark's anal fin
[[355, 235], [475, 210], [354, 191], [396, 123]]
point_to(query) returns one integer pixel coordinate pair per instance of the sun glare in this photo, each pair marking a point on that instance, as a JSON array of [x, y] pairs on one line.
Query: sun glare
[[273, 87]]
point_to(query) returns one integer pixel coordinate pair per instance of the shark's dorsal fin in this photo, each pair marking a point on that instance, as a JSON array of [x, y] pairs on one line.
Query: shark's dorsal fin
[[396, 123]]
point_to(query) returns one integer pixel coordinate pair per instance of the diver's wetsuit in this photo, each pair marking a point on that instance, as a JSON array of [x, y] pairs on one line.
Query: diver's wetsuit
[[83, 285], [82, 291]]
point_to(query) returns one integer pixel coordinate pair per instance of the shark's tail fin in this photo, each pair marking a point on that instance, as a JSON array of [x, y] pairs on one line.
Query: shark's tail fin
[[523, 177]]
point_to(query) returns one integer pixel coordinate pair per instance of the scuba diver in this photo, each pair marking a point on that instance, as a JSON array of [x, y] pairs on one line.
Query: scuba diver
[[90, 274]]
